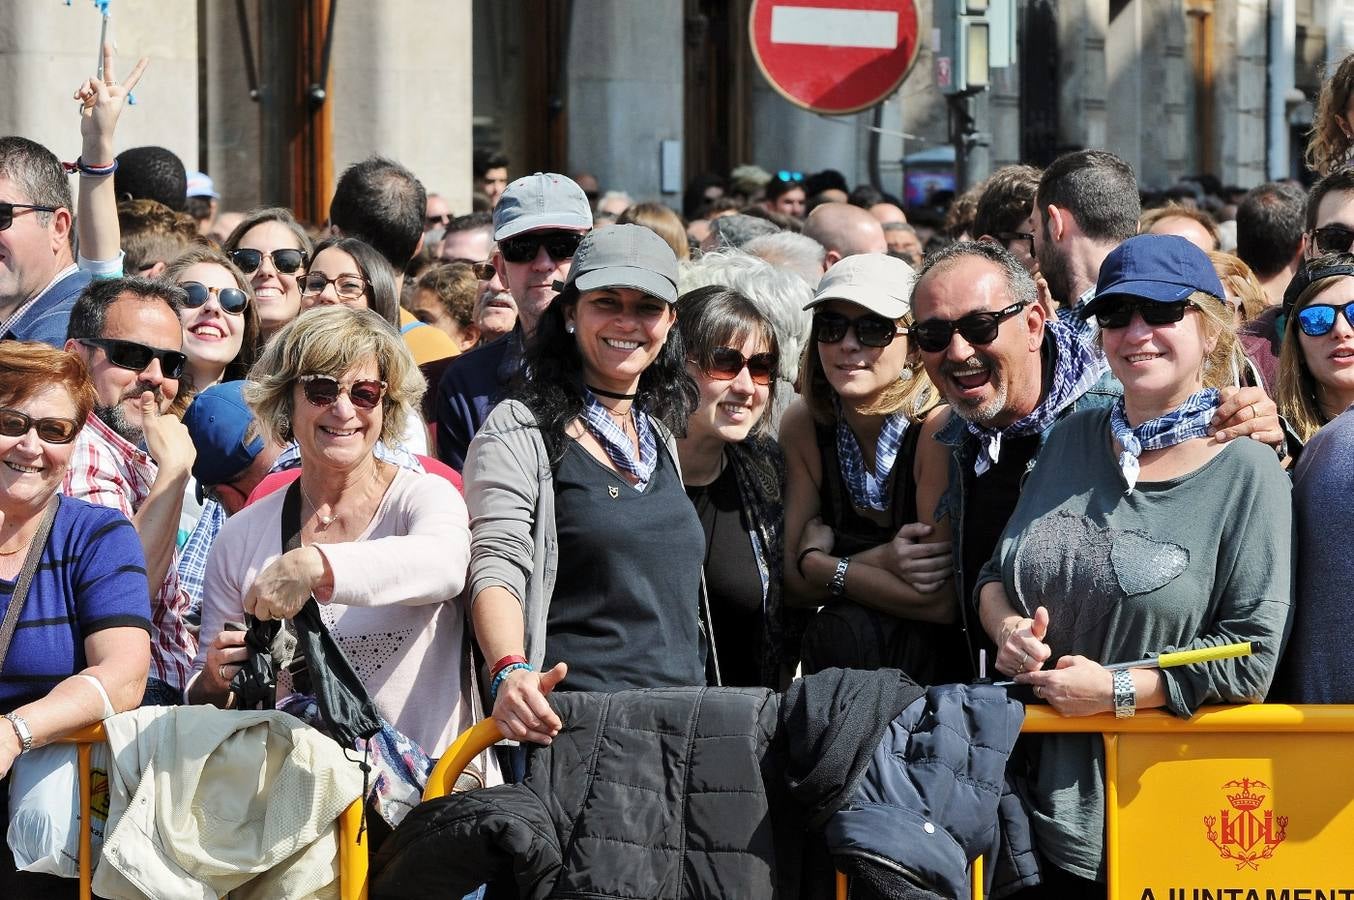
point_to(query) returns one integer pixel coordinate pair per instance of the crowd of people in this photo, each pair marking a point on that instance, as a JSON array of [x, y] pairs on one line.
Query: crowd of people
[[568, 442]]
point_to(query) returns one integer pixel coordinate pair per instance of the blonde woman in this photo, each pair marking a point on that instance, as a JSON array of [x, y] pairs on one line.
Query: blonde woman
[[1316, 359]]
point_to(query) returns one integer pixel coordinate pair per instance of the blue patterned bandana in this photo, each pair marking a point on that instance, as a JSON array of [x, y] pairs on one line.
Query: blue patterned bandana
[[616, 442], [867, 488], [1079, 364], [1187, 421]]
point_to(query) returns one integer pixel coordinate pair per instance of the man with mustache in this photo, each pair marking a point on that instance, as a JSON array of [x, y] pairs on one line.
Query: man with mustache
[[132, 454]]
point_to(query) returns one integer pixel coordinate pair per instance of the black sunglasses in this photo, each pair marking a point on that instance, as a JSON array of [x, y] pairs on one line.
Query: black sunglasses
[[443, 219], [1007, 237], [321, 390], [726, 363], [1333, 239], [1117, 312], [871, 330], [934, 335], [7, 212], [231, 300], [484, 271], [1319, 318], [559, 244], [135, 357], [287, 261], [15, 424]]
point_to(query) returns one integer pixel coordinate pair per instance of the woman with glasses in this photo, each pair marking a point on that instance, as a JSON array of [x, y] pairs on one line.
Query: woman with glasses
[[1136, 532], [862, 466], [1316, 359], [80, 650], [352, 273], [734, 473], [586, 553], [272, 250], [220, 325]]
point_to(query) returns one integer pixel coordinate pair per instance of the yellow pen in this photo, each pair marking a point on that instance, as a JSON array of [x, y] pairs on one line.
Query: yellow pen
[[1178, 658]]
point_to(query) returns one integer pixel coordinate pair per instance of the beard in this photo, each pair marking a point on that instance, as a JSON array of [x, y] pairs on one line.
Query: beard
[[979, 412], [115, 416], [1053, 266]]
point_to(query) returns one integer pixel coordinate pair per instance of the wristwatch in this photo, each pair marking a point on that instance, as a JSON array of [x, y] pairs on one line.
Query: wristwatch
[[837, 586], [21, 731], [1125, 695]]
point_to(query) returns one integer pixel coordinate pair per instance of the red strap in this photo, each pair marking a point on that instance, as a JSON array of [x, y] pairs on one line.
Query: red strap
[[506, 661]]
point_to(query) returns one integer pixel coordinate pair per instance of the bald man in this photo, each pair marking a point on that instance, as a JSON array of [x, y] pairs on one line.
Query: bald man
[[844, 230], [888, 213]]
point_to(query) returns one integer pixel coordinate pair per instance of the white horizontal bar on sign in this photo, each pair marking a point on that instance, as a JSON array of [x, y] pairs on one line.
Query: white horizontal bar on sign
[[826, 27]]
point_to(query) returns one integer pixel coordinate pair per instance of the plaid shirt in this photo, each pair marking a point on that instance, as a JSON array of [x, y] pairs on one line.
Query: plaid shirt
[[193, 558], [107, 470]]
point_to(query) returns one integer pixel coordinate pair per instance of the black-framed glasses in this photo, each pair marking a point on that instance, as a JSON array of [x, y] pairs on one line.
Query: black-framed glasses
[[322, 390], [285, 260], [484, 271], [1007, 237], [726, 363], [16, 424], [231, 300], [7, 212], [872, 330], [1319, 318], [347, 287], [1333, 239], [977, 328], [1117, 312], [136, 357], [523, 248]]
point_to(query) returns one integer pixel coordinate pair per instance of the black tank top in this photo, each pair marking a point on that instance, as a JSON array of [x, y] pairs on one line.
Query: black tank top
[[855, 532]]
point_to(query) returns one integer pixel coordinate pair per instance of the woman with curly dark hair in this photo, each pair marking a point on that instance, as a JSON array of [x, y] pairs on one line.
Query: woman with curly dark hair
[[584, 548], [1332, 135]]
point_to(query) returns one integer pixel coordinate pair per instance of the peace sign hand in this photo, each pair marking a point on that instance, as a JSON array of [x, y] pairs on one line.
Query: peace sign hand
[[101, 104]]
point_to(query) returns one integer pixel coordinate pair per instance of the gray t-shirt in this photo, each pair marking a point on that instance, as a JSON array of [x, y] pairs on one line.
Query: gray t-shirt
[[1194, 561]]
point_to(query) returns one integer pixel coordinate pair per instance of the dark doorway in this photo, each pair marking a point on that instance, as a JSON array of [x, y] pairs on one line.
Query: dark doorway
[[718, 65], [1039, 84]]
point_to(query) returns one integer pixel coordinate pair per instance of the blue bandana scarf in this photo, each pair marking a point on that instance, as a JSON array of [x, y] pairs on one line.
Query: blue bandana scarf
[[1187, 421], [1077, 366], [617, 444], [867, 488]]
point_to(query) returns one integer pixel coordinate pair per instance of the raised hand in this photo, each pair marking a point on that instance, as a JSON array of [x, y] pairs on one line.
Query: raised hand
[[101, 103]]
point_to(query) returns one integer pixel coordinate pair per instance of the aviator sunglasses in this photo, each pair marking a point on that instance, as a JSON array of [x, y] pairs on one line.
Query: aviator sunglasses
[[1319, 318], [287, 261], [558, 244], [726, 363], [231, 300], [7, 212], [136, 357], [934, 335], [1117, 312], [321, 390], [15, 424], [871, 330]]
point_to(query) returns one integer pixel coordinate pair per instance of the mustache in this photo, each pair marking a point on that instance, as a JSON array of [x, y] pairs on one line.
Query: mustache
[[140, 388], [976, 361]]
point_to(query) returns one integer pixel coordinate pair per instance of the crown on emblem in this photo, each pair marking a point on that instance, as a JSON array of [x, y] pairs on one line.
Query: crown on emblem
[[1246, 799]]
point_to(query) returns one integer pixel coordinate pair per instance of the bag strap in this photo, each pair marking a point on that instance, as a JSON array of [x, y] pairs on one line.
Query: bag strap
[[291, 517], [30, 568]]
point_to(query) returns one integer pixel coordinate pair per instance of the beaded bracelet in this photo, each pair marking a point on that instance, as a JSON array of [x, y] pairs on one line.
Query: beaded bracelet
[[502, 676], [507, 660]]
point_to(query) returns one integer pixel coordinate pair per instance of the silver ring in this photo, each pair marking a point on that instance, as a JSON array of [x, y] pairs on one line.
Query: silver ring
[[221, 671], [1039, 692], [1024, 658]]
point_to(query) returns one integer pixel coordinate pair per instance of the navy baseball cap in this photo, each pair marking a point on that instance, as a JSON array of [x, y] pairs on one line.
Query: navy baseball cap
[[220, 424], [1162, 267]]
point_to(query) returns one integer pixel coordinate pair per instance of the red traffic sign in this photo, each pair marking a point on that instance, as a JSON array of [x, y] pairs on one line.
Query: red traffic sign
[[834, 56]]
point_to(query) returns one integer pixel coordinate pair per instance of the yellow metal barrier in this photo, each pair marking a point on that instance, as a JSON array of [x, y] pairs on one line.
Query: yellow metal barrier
[[352, 855]]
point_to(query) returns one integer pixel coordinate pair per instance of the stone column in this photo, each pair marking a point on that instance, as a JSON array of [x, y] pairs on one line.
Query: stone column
[[1148, 90], [1083, 26], [1239, 99]]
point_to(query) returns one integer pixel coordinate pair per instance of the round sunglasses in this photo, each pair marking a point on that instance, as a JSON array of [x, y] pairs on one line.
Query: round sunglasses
[[16, 424], [1117, 312], [726, 363], [872, 330], [321, 390], [934, 335], [286, 260], [1319, 318], [231, 300]]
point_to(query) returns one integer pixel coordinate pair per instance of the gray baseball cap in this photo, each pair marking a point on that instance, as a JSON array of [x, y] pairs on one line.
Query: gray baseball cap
[[543, 200], [879, 282], [624, 256]]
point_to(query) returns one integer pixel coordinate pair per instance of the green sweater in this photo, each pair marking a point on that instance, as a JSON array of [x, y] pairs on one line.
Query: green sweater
[[1195, 561]]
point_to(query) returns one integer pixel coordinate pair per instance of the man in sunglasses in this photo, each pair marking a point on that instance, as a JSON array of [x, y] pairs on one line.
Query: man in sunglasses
[[538, 224], [132, 454]]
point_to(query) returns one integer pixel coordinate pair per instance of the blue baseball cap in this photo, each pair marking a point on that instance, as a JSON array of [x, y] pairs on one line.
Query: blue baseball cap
[[1165, 268], [219, 422]]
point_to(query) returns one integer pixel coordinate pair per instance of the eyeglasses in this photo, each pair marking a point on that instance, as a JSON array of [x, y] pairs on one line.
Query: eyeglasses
[[1319, 318], [1117, 312], [559, 244], [286, 260], [7, 212], [136, 357], [15, 424], [1333, 239], [871, 330], [727, 363], [1007, 236], [484, 271], [321, 390], [347, 287], [231, 300], [934, 335], [443, 219]]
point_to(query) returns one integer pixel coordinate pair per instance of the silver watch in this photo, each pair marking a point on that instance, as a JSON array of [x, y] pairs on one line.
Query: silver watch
[[837, 586], [21, 731], [1125, 694]]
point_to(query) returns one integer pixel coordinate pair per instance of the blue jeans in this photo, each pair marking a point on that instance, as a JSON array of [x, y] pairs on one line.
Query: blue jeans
[[158, 693]]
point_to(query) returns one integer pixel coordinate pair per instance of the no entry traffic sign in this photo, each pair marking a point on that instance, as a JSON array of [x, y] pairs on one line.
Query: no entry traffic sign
[[834, 56]]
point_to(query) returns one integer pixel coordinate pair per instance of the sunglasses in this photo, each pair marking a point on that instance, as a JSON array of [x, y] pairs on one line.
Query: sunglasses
[[231, 300], [287, 261], [321, 390], [787, 175], [347, 287], [437, 220], [727, 363], [1007, 237], [136, 357], [934, 335], [15, 424], [1319, 318], [7, 212], [1333, 239], [871, 330], [1117, 312], [559, 244]]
